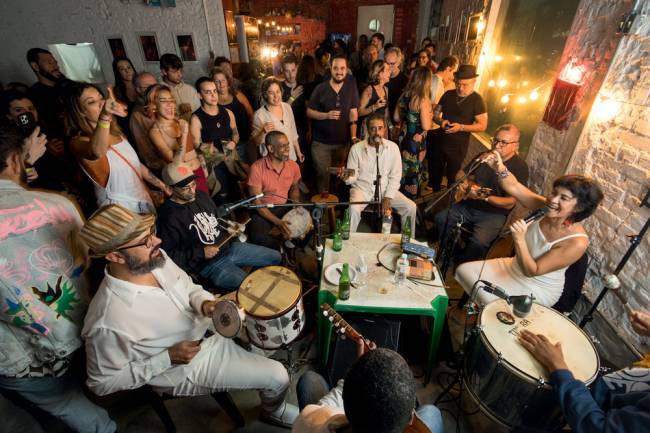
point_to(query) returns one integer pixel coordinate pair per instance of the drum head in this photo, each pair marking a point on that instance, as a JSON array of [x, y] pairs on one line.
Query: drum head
[[269, 292], [501, 336], [300, 222], [226, 319]]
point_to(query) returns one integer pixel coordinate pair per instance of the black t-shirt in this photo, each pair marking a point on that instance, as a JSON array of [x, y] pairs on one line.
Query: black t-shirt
[[325, 99], [186, 228], [395, 86], [48, 103], [461, 110], [486, 177]]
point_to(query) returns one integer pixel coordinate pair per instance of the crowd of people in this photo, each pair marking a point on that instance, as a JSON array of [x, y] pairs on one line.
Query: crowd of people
[[152, 162]]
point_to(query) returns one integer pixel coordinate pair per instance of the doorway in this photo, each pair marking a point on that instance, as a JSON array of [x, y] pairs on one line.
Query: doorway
[[376, 19]]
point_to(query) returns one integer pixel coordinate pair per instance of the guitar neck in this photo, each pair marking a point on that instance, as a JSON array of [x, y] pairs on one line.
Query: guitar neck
[[341, 325], [231, 235]]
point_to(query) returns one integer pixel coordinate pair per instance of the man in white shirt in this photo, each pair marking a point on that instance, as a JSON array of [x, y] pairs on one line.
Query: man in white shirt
[[187, 99], [363, 160], [147, 323]]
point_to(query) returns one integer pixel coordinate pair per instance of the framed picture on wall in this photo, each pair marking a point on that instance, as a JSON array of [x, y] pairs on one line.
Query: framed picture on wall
[[116, 46], [148, 47], [185, 43]]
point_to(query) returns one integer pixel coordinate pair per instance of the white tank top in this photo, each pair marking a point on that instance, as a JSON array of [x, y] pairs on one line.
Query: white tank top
[[124, 186]]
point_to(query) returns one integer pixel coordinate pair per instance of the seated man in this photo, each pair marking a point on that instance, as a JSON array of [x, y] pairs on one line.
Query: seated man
[[147, 323], [194, 236], [616, 403], [363, 160], [487, 212], [278, 178], [377, 396]]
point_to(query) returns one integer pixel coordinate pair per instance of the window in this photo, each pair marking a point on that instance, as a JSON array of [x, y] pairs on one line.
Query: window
[[374, 25], [78, 62], [517, 79]]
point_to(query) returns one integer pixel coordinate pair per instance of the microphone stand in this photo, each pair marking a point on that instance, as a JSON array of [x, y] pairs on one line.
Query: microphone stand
[[316, 214], [377, 195], [635, 240]]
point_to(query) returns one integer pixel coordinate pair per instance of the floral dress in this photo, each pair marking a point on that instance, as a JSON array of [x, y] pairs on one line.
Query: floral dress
[[413, 170]]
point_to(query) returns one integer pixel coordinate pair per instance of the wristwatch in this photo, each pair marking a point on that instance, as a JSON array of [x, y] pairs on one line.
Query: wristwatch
[[486, 199]]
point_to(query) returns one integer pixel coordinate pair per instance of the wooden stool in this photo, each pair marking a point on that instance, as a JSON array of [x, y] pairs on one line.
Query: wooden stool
[[331, 212]]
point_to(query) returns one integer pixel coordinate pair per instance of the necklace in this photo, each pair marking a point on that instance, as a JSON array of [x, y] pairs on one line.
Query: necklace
[[460, 99]]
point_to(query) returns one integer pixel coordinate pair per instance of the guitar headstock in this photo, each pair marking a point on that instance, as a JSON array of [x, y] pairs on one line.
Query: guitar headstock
[[342, 327]]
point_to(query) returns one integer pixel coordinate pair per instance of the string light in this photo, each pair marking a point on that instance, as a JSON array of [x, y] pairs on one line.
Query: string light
[[505, 99], [502, 83], [522, 99], [524, 83], [517, 58], [272, 23], [498, 58], [480, 26], [534, 95], [259, 22], [491, 83]]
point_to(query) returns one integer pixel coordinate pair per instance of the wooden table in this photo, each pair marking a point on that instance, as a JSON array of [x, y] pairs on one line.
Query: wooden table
[[424, 298]]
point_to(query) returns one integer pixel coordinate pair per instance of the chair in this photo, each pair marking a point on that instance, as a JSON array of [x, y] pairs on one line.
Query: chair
[[574, 279], [157, 403]]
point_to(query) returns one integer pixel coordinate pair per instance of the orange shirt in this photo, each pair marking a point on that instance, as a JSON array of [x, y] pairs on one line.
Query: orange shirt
[[265, 177]]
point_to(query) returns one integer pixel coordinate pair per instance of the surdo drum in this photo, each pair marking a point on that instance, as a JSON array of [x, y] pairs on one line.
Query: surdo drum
[[269, 306], [503, 378]]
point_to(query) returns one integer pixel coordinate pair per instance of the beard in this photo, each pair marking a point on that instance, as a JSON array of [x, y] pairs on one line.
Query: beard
[[374, 140], [52, 77], [141, 267], [337, 81]]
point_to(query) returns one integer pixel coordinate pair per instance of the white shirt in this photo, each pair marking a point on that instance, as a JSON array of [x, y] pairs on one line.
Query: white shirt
[[184, 94], [287, 125], [129, 327], [362, 158], [437, 89]]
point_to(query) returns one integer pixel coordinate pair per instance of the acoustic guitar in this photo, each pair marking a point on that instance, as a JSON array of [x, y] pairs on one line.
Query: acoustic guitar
[[463, 191], [342, 327]]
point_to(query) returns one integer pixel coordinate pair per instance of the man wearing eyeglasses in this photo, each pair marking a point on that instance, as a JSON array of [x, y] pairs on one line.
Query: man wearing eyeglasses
[[484, 211], [148, 321]]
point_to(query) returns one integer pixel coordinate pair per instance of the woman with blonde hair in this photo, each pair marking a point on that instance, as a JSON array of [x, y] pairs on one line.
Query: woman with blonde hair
[[375, 97], [170, 135], [104, 153], [414, 115]]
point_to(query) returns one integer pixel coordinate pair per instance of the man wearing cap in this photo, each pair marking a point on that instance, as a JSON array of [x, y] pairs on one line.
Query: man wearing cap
[[43, 296], [192, 234], [460, 112], [147, 322]]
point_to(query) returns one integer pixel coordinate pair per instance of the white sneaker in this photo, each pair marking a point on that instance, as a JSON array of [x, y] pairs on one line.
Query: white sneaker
[[284, 415]]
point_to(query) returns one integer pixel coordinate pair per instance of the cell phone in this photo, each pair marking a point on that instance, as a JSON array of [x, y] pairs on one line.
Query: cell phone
[[447, 126], [27, 123]]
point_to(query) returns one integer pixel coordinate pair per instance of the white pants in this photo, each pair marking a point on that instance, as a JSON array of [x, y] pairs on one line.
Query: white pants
[[222, 365], [404, 206]]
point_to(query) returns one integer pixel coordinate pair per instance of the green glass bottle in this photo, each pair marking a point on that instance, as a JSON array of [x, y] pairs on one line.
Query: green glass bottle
[[345, 225], [406, 232], [337, 243], [344, 283]]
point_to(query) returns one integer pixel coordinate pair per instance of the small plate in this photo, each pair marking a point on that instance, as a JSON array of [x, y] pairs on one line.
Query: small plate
[[332, 273]]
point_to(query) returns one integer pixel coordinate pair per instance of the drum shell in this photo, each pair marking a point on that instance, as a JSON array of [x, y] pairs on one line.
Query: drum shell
[[273, 332], [505, 395]]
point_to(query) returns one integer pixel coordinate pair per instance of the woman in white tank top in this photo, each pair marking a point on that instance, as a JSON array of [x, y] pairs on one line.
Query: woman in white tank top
[[544, 249], [104, 153]]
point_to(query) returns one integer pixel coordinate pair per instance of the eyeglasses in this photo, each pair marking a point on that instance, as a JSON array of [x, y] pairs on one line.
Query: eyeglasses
[[189, 186], [147, 241], [499, 142]]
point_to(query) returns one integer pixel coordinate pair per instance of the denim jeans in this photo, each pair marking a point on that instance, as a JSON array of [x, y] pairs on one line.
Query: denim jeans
[[312, 387], [63, 398], [485, 228], [224, 271]]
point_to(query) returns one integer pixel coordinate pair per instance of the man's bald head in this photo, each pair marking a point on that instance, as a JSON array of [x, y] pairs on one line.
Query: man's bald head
[[143, 81]]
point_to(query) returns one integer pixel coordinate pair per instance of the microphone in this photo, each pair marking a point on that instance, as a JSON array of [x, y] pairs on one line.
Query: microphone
[[495, 290], [226, 209], [521, 304], [535, 215]]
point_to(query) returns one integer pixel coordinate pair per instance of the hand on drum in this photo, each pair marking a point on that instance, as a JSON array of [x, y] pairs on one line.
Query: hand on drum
[[184, 351], [641, 322], [284, 228], [546, 353]]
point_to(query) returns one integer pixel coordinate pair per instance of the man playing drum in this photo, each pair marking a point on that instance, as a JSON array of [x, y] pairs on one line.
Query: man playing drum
[[616, 402], [147, 322], [195, 238], [278, 178]]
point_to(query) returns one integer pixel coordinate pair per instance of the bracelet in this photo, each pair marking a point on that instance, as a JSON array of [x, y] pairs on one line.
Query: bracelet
[[462, 127], [104, 124], [291, 99], [503, 173]]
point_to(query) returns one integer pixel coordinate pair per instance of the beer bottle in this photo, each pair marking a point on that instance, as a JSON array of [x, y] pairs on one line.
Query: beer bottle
[[344, 283]]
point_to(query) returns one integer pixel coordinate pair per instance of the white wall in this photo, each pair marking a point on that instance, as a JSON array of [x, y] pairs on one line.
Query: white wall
[[36, 23]]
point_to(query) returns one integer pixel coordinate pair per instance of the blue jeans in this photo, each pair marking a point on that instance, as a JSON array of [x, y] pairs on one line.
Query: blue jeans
[[224, 271], [312, 387], [62, 398], [485, 228]]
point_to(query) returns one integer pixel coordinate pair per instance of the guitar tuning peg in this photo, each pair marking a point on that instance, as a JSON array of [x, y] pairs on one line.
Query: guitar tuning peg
[[325, 313], [331, 319]]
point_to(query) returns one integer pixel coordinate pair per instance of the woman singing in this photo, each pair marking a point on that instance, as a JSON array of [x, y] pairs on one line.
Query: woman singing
[[545, 248]]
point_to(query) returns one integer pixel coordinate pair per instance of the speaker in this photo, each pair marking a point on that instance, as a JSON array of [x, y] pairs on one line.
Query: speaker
[[383, 331]]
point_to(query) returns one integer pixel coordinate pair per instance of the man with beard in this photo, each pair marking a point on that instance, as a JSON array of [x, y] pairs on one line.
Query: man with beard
[[398, 79], [278, 178], [147, 323], [191, 234], [43, 296], [46, 92], [140, 123], [460, 112], [363, 160], [333, 110]]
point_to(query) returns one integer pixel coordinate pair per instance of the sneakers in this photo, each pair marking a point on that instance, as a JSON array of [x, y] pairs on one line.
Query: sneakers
[[283, 416]]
